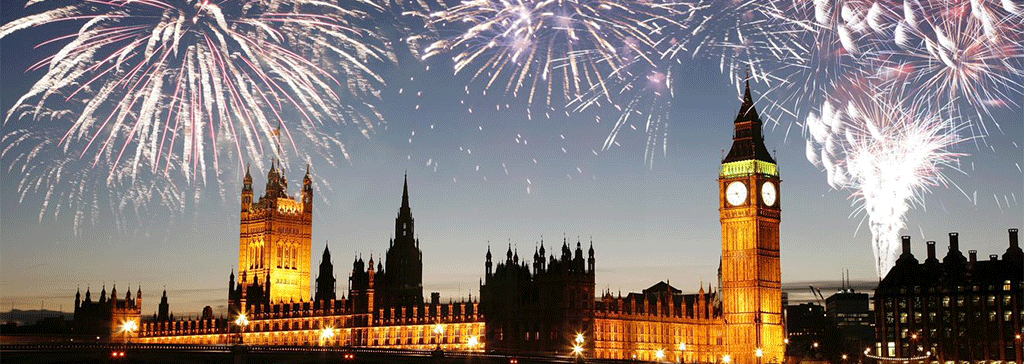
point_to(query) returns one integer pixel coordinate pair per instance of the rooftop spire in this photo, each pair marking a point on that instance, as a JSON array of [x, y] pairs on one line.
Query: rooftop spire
[[405, 192], [748, 141]]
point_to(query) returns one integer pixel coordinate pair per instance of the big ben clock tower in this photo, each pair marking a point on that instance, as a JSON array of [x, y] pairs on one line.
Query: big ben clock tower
[[750, 212]]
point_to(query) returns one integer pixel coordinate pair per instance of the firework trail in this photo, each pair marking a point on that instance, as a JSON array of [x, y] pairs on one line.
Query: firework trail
[[888, 153], [179, 89]]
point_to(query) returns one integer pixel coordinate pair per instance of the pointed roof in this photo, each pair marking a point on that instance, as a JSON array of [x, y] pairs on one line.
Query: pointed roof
[[748, 141], [405, 193]]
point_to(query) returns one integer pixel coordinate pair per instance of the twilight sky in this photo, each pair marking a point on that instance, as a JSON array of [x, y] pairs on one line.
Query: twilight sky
[[493, 176]]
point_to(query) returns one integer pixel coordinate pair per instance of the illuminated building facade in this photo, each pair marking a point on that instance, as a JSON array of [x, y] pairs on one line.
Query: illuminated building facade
[[274, 241], [547, 305], [956, 309], [110, 318]]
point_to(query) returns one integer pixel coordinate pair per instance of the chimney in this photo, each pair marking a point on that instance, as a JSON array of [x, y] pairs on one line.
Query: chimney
[[974, 256], [906, 244], [1013, 238], [993, 257], [931, 250], [954, 241]]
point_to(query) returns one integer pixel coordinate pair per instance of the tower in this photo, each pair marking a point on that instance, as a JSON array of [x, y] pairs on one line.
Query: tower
[[325, 280], [750, 215], [275, 240], [403, 269]]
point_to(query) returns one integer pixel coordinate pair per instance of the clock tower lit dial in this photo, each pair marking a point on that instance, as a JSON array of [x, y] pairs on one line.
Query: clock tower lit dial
[[768, 193], [736, 193]]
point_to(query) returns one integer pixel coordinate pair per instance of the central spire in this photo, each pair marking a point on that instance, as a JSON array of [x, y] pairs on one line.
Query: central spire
[[404, 221]]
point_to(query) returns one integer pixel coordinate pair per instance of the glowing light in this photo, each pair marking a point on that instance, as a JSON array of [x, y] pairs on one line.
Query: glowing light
[[577, 350], [844, 356], [327, 333], [242, 320], [129, 326], [815, 344], [682, 346], [473, 341], [579, 338], [438, 329], [660, 354], [759, 353], [726, 358]]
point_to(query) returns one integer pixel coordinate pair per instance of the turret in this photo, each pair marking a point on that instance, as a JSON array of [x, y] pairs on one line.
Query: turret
[[307, 192], [138, 297], [163, 308], [325, 281], [590, 259], [247, 190], [88, 296], [78, 298], [113, 294], [487, 266], [103, 294]]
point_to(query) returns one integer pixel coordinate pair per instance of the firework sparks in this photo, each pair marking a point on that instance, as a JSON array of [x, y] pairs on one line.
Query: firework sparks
[[546, 48], [888, 154], [182, 88]]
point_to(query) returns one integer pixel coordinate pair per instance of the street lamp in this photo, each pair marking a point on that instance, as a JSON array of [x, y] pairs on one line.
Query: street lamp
[[577, 347], [326, 335], [758, 353], [726, 358], [660, 354], [128, 327], [438, 331], [472, 342], [241, 322]]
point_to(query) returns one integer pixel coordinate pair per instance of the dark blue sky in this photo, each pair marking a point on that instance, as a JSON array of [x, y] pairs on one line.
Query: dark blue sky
[[493, 176]]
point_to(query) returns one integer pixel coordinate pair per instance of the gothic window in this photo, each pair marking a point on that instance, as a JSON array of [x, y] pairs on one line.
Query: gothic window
[[279, 254], [286, 252]]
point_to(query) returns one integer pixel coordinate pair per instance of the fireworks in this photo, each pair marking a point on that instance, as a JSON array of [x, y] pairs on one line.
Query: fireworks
[[183, 87], [546, 48], [888, 153]]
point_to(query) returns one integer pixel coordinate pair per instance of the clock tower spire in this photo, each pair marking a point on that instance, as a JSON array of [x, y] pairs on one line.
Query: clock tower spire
[[750, 214]]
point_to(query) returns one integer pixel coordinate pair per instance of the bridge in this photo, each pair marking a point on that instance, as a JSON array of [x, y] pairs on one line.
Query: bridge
[[238, 354]]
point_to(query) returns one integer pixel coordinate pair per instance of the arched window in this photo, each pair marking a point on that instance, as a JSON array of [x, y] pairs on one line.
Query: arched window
[[279, 259], [286, 252]]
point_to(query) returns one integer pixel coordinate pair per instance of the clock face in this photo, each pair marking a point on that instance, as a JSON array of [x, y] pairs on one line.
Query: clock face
[[768, 193], [736, 193]]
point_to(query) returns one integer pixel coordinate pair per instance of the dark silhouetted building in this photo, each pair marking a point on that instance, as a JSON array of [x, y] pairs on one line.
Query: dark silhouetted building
[[851, 314], [956, 309], [107, 317], [540, 310]]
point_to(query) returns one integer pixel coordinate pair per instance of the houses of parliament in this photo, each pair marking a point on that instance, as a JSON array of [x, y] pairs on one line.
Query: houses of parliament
[[545, 304]]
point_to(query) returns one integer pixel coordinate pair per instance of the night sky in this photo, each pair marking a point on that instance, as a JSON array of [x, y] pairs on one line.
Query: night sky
[[491, 176]]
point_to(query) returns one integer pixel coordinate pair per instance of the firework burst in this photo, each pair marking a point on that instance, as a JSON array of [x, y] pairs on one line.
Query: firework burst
[[182, 88], [549, 48], [888, 153]]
